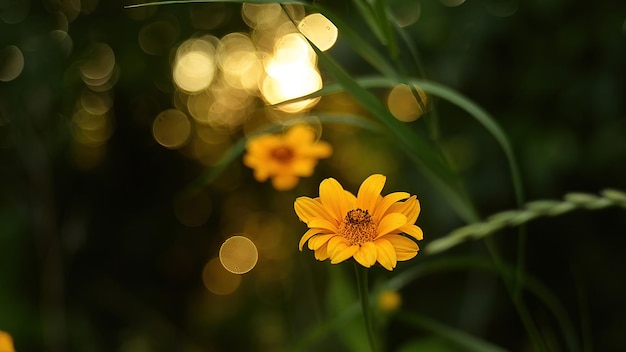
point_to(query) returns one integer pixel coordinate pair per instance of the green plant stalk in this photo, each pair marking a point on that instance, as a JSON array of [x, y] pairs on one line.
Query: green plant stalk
[[361, 280]]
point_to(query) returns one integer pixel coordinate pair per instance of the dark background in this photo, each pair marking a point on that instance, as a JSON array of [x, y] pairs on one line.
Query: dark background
[[93, 258]]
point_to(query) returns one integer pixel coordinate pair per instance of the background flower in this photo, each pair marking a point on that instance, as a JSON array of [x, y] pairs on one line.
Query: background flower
[[285, 158]]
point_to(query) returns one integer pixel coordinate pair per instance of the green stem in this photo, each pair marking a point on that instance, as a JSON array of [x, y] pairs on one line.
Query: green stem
[[361, 279]]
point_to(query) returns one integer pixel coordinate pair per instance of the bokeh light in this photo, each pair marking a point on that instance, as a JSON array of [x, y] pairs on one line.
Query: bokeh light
[[389, 300], [11, 63], [238, 254], [405, 105], [218, 280], [194, 67], [171, 128], [91, 128], [319, 30], [98, 68]]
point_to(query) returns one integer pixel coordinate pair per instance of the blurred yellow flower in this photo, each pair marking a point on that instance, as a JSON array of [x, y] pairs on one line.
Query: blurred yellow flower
[[367, 227], [6, 342], [285, 158], [389, 300]]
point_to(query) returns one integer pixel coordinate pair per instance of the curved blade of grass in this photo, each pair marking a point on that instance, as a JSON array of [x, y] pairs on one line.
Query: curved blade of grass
[[423, 152], [370, 16], [171, 2], [508, 273], [459, 337]]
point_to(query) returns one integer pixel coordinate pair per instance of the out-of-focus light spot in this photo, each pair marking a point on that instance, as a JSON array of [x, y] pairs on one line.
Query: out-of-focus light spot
[[404, 105], [238, 254], [292, 49], [237, 57], [194, 67], [61, 22], [91, 129], [194, 210], [389, 300], [209, 16], [11, 63], [319, 30], [71, 8], [6, 342], [171, 128], [502, 8], [13, 12], [157, 38], [98, 68], [218, 280], [260, 15], [291, 83], [407, 13], [96, 102], [63, 40], [291, 73], [452, 3]]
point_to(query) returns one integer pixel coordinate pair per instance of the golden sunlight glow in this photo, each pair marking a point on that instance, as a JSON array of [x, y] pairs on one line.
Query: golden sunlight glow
[[238, 59], [96, 102], [171, 128], [11, 63], [194, 67], [404, 105], [260, 15], [319, 30], [219, 281], [291, 73], [238, 254]]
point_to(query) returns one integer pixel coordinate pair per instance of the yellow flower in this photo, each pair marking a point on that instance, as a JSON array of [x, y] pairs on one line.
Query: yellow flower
[[285, 158], [6, 342], [367, 227]]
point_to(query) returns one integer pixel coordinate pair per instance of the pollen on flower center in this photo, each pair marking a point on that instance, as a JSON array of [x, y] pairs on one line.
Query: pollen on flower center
[[358, 227], [282, 154]]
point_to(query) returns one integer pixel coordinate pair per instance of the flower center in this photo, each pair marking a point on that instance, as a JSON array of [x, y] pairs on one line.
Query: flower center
[[282, 154], [358, 227]]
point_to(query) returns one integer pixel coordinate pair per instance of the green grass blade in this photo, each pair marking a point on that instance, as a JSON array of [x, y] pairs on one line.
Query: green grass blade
[[423, 152], [178, 2], [368, 13], [508, 273], [459, 337]]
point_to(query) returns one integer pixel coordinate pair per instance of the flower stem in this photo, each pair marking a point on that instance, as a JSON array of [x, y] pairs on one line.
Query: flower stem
[[361, 279]]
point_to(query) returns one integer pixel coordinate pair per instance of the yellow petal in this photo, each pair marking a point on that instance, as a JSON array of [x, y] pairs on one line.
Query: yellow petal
[[303, 167], [285, 182], [369, 192], [335, 199], [318, 150], [405, 248], [307, 209], [322, 252], [321, 223], [337, 244], [387, 201], [6, 342], [366, 255], [300, 134], [319, 240], [391, 222], [344, 254], [413, 231], [385, 254], [307, 235]]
